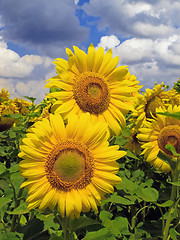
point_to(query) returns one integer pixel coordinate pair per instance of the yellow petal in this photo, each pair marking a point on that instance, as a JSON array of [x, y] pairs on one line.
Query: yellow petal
[[33, 204], [40, 192], [98, 59], [33, 172], [108, 177], [58, 127], [80, 58], [69, 204], [67, 106], [106, 59], [117, 74], [102, 185], [113, 123], [90, 57], [47, 199], [77, 203], [62, 203]]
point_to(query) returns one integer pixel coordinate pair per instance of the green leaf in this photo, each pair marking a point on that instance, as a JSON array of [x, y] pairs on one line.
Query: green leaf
[[116, 226], [82, 222], [102, 234], [165, 204], [3, 184], [10, 236], [138, 173], [23, 220], [2, 168], [12, 134], [22, 209], [147, 194], [175, 183], [127, 185], [48, 221], [169, 160], [174, 115], [174, 234], [13, 116], [4, 201], [5, 175], [131, 155], [172, 149], [119, 200], [30, 98], [105, 216], [57, 236]]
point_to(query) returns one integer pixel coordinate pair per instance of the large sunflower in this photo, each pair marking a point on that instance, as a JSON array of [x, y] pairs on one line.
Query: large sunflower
[[93, 83], [72, 167], [158, 132]]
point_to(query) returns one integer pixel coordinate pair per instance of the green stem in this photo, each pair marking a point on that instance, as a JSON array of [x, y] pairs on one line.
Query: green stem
[[17, 202], [173, 198], [66, 224], [4, 225]]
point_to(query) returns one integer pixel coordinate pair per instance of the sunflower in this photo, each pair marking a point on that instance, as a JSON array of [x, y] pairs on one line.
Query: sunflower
[[93, 83], [22, 105], [158, 132], [4, 95], [70, 166], [7, 107], [171, 97], [147, 104]]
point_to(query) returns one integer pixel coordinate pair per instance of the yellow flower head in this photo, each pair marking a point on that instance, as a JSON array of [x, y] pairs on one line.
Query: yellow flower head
[[158, 132], [170, 97], [93, 83], [148, 102], [22, 105], [7, 107], [4, 95], [70, 166]]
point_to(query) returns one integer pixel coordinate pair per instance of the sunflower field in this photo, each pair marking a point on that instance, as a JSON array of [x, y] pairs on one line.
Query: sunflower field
[[97, 159]]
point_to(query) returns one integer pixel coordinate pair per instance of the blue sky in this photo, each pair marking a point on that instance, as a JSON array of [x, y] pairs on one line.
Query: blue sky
[[145, 34]]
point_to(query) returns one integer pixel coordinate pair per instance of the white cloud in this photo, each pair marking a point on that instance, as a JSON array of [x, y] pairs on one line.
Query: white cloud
[[23, 75], [136, 8], [108, 42], [136, 18], [149, 30], [150, 60], [76, 1], [31, 89]]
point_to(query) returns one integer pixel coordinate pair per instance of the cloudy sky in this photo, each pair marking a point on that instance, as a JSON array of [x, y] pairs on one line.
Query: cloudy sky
[[145, 34]]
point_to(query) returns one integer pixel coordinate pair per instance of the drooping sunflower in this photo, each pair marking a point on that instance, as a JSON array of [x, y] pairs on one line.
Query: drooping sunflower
[[93, 83], [147, 104], [70, 166], [158, 132], [133, 144]]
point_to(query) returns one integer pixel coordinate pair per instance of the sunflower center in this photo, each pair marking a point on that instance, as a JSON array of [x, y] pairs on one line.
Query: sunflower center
[[169, 135], [69, 165], [91, 92], [152, 104], [94, 90]]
